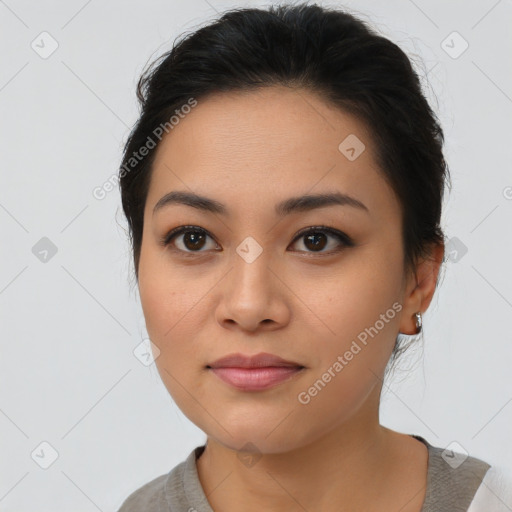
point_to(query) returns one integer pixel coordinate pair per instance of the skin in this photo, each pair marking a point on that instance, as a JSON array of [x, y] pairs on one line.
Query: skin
[[250, 151]]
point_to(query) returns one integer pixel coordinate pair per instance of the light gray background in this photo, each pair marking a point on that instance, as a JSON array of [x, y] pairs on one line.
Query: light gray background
[[69, 376]]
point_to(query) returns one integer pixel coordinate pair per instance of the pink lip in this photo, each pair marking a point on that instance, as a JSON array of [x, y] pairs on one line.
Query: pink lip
[[256, 379], [254, 373]]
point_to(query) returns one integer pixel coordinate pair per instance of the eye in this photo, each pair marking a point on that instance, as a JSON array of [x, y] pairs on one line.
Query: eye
[[194, 239], [316, 238]]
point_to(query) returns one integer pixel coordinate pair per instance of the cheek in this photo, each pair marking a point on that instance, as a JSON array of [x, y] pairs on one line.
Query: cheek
[[361, 316], [359, 309], [362, 293], [175, 313], [170, 312], [164, 295]]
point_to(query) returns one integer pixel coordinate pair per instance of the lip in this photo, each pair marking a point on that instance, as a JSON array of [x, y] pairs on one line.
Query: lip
[[256, 379], [263, 359], [254, 373]]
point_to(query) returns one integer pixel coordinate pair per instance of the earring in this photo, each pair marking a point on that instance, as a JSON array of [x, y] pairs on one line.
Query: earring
[[418, 322]]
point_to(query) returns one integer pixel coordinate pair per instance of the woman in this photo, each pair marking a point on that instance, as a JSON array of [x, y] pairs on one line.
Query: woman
[[283, 188]]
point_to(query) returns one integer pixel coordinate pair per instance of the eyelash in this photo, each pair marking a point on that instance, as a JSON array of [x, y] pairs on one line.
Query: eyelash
[[344, 239]]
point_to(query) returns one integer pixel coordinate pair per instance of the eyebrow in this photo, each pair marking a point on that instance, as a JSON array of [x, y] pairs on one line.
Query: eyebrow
[[286, 207]]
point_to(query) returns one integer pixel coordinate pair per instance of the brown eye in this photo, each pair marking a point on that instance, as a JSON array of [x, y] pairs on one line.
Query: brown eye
[[315, 241], [193, 238], [317, 238]]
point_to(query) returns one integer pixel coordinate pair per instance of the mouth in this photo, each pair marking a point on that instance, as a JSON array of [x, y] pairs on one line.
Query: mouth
[[255, 373]]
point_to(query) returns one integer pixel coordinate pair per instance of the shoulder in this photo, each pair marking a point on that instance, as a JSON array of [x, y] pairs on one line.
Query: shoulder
[[165, 492], [453, 478], [458, 481], [149, 497], [494, 493]]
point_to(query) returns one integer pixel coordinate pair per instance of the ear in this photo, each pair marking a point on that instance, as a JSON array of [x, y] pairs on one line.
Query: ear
[[420, 288]]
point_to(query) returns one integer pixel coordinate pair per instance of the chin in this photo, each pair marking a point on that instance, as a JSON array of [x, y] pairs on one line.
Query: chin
[[258, 438]]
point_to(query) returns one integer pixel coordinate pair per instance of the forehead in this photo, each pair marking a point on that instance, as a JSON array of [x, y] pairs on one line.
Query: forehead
[[267, 144]]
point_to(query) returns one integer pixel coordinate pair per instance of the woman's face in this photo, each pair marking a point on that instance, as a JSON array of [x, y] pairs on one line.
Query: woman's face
[[248, 283]]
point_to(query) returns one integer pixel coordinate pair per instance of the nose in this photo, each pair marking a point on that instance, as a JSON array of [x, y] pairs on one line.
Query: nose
[[252, 294]]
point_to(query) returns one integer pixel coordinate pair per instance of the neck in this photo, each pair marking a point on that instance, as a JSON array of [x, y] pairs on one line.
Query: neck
[[346, 466]]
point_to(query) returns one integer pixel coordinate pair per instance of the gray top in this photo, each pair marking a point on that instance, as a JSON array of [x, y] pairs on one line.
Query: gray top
[[451, 486]]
